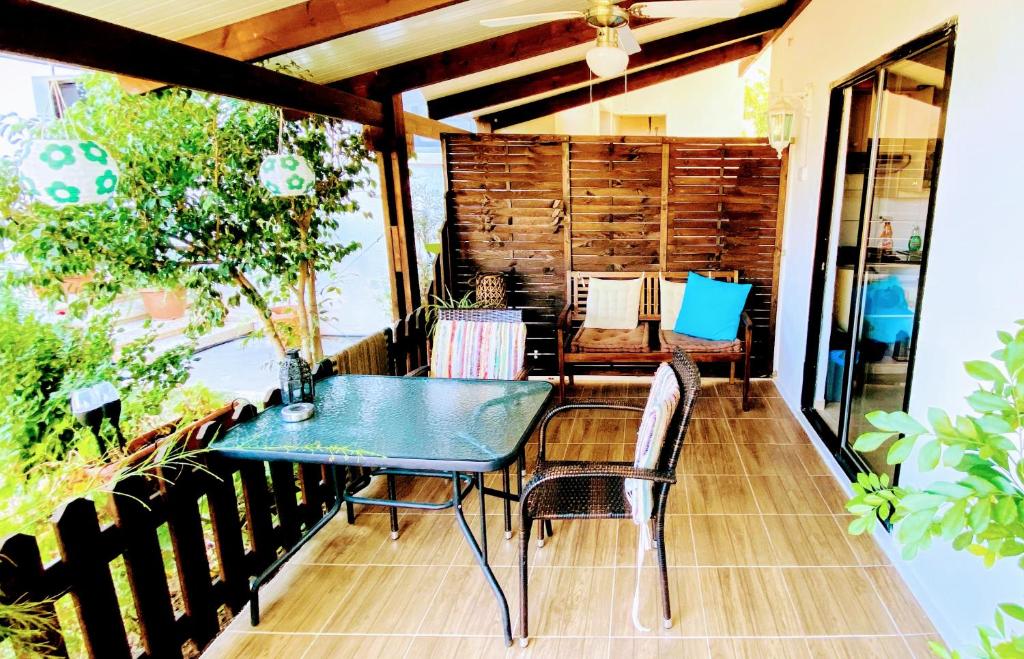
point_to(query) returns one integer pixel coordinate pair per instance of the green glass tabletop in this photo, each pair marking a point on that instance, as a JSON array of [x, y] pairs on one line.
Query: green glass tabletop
[[403, 422]]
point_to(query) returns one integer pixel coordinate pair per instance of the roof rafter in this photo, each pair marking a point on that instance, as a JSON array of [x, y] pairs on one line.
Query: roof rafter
[[307, 24], [614, 87], [473, 58], [36, 30], [548, 80]]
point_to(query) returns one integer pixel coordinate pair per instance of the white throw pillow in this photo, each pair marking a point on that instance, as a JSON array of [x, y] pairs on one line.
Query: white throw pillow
[[613, 303], [671, 301]]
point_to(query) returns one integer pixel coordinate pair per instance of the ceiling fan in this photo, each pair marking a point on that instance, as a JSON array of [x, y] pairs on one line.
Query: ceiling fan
[[615, 42]]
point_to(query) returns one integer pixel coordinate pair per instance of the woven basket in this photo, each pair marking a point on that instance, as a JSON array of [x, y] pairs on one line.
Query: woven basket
[[491, 290]]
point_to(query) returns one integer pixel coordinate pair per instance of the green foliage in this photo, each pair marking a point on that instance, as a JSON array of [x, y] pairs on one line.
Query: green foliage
[[981, 510], [22, 623], [189, 210], [756, 96]]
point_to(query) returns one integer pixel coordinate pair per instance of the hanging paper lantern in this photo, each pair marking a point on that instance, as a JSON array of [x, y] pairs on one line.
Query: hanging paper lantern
[[69, 172], [287, 175]]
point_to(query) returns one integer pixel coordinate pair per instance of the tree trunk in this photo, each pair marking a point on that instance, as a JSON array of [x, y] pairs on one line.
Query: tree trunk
[[304, 335], [314, 315], [257, 301]]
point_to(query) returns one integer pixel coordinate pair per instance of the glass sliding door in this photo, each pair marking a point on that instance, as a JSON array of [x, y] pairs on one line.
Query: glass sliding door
[[886, 132]]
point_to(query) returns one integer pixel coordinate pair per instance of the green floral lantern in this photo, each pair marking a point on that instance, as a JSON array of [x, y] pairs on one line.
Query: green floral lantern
[[287, 175], [69, 172]]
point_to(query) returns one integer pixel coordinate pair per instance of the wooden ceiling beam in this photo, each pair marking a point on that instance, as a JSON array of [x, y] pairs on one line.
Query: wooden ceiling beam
[[652, 52], [40, 31], [306, 24], [474, 58], [637, 80]]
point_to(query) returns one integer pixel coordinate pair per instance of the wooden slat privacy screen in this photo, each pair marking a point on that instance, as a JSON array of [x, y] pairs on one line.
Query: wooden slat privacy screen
[[536, 206]]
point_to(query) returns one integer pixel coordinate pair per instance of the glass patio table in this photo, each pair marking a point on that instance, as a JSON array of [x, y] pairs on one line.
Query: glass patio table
[[454, 429]]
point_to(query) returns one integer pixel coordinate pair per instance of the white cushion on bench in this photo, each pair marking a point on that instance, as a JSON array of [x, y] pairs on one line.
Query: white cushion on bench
[[613, 303], [671, 299]]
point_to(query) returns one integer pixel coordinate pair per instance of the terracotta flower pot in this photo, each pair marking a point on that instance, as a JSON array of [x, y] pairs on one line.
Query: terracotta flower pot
[[162, 304]]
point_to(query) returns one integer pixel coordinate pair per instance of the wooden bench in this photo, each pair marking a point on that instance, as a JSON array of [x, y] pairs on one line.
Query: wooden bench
[[647, 344]]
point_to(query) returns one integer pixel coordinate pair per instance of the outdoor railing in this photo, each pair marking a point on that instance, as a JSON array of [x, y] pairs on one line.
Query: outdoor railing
[[226, 520]]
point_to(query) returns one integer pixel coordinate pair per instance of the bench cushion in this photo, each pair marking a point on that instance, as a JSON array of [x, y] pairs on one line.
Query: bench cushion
[[588, 339], [687, 343]]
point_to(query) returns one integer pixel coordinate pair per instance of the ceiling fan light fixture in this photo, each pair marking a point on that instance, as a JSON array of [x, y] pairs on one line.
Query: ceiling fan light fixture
[[606, 59]]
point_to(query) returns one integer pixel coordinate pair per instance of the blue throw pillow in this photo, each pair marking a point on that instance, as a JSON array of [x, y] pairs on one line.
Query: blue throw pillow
[[711, 309]]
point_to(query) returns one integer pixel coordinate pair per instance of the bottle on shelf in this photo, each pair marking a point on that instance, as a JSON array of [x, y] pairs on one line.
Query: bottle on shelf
[[886, 237], [914, 242]]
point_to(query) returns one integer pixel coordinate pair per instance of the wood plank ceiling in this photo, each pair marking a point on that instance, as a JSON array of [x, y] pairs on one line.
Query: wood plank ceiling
[[377, 48]]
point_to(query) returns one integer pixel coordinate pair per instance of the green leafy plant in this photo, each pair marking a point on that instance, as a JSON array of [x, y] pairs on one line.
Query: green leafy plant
[[22, 623], [190, 210], [981, 510]]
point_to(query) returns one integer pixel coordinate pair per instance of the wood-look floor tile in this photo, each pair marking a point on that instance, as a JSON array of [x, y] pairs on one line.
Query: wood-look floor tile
[[833, 494], [570, 601], [731, 540], [598, 431], [919, 645], [762, 431], [678, 543], [719, 494], [386, 599], [771, 459], [786, 495], [659, 648], [423, 540], [559, 429], [708, 407], [902, 605], [747, 602], [880, 647], [708, 431], [341, 543], [759, 388], [592, 452], [559, 648], [578, 543], [710, 459], [837, 601], [808, 540], [760, 408], [811, 460], [301, 600], [331, 647], [464, 603], [758, 648], [684, 590], [241, 645], [864, 546]]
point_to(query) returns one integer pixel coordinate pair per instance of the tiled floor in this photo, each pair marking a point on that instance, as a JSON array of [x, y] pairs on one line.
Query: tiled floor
[[760, 564]]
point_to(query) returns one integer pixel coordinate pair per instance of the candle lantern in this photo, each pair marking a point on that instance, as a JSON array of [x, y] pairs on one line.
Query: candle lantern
[[296, 379]]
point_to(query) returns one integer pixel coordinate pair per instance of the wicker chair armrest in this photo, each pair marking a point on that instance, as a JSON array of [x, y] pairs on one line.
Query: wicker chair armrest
[[582, 404], [549, 471]]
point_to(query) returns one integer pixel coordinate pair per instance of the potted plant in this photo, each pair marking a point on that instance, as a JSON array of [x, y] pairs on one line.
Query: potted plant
[[981, 511], [164, 303]]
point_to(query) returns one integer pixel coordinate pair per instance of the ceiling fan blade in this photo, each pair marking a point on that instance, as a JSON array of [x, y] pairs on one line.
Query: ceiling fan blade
[[688, 9], [627, 41], [543, 17]]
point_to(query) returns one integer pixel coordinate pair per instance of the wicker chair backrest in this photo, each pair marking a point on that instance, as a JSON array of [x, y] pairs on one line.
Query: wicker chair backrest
[[689, 387], [482, 315]]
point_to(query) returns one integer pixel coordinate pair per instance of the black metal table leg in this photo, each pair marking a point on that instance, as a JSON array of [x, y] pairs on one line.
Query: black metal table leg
[[392, 510], [483, 514], [481, 556], [508, 502], [260, 579]]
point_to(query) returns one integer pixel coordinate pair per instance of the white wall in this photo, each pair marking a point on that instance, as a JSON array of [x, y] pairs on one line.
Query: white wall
[[973, 279], [704, 104]]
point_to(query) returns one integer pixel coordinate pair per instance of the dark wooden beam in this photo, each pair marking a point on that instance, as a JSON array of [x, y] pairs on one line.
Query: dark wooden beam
[[473, 58], [614, 87], [793, 9], [652, 52], [307, 24], [392, 147], [40, 31]]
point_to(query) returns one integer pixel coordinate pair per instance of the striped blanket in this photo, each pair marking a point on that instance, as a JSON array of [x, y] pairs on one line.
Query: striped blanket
[[478, 350]]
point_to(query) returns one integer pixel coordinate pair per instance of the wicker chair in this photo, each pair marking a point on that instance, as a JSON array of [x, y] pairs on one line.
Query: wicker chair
[[596, 490]]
